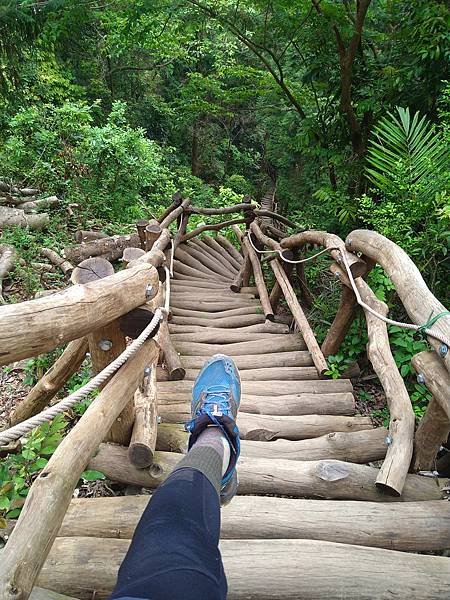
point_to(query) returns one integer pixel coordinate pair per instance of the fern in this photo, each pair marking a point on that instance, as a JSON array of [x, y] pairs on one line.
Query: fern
[[405, 155]]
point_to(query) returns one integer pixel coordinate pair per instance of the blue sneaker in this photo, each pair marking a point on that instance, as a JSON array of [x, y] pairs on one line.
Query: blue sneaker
[[216, 396]]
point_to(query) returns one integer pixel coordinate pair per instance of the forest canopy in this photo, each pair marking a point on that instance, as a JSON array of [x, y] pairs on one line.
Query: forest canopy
[[344, 104]]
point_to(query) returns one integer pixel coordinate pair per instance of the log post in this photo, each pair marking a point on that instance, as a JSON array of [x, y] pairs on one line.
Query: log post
[[243, 276], [172, 359], [143, 438], [177, 198], [181, 230], [106, 344], [342, 321], [140, 226], [277, 292], [394, 470], [152, 232], [8, 257], [172, 216], [45, 389], [300, 318], [259, 279], [52, 491], [434, 426]]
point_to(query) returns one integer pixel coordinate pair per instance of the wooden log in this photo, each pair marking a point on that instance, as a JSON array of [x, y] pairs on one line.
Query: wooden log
[[10, 217], [277, 217], [434, 426], [65, 266], [143, 438], [415, 295], [277, 293], [40, 594], [8, 256], [271, 388], [140, 226], [270, 427], [300, 318], [40, 203], [176, 408], [82, 236], [267, 327], [209, 318], [213, 244], [224, 210], [269, 374], [225, 322], [172, 359], [12, 189], [363, 523], [110, 248], [176, 201], [266, 569], [259, 280], [174, 214], [211, 227], [355, 446], [181, 230], [277, 359], [228, 246], [265, 240], [222, 336], [307, 298], [182, 269], [401, 426], [47, 387], [430, 435], [152, 232], [70, 314], [282, 343], [311, 479], [51, 492], [208, 260], [131, 254], [188, 260], [341, 324], [330, 241], [212, 251]]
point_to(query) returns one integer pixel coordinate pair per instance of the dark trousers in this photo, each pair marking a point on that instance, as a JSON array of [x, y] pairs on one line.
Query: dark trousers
[[174, 553]]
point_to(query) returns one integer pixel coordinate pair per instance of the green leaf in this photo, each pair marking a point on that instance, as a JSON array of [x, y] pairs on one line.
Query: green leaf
[[4, 503], [92, 475], [13, 514], [48, 450], [41, 463]]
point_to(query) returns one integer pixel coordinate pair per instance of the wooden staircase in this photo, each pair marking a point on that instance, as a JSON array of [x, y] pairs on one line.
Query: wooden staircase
[[308, 521]]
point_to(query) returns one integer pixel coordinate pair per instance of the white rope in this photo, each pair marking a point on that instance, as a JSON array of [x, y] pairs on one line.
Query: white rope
[[16, 432], [411, 326]]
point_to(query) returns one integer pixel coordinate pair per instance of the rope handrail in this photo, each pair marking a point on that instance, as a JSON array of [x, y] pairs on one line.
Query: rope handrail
[[424, 329]]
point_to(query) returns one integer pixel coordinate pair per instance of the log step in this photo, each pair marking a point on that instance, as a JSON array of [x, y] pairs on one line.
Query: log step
[[265, 569], [301, 358], [262, 517]]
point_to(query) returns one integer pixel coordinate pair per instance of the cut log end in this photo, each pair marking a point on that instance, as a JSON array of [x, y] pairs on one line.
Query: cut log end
[[388, 489], [140, 455], [177, 374]]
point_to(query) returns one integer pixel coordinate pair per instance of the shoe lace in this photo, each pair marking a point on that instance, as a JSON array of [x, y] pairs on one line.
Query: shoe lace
[[215, 401]]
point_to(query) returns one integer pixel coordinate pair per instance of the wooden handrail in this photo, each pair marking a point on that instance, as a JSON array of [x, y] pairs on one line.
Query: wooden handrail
[[410, 286], [200, 210], [211, 227]]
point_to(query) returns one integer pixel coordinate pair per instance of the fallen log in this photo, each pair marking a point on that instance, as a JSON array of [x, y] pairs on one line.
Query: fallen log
[[257, 517], [176, 408], [143, 438], [8, 256], [51, 321], [401, 425], [434, 426], [268, 360], [416, 297], [13, 189], [51, 492], [300, 318], [65, 266], [110, 248], [82, 236], [10, 217], [40, 203], [48, 386], [312, 479], [281, 343], [259, 280], [266, 569]]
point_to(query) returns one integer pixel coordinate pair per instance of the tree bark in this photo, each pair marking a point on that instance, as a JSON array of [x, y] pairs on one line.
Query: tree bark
[[143, 438], [111, 248], [10, 217], [259, 280], [8, 256]]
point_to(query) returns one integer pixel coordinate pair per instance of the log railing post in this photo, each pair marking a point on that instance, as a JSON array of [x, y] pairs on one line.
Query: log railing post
[[259, 279], [152, 232], [434, 426], [143, 439]]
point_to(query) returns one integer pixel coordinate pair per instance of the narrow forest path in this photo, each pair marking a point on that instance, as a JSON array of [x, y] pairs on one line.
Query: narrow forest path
[[308, 521]]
